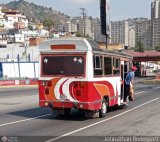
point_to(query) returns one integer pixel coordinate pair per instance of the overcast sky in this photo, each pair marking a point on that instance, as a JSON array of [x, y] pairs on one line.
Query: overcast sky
[[119, 9]]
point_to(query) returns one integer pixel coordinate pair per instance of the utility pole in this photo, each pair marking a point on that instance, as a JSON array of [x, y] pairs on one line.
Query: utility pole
[[83, 12], [103, 15]]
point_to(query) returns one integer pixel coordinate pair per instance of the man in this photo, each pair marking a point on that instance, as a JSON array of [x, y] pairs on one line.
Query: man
[[128, 82]]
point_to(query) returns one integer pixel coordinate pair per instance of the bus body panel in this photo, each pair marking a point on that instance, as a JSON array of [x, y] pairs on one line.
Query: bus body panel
[[79, 92]]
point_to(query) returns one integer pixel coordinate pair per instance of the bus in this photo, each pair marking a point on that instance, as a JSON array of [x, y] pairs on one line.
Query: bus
[[77, 73]]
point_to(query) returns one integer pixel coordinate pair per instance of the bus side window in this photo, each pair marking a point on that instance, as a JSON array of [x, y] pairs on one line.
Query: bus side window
[[116, 66], [98, 65], [107, 65]]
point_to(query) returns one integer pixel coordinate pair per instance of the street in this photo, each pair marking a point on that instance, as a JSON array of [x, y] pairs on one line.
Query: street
[[20, 115]]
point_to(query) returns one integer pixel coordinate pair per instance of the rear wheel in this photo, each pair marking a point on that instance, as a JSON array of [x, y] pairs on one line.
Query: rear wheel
[[104, 108], [67, 111]]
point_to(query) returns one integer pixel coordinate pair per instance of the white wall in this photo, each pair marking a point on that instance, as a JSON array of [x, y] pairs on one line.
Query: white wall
[[29, 70]]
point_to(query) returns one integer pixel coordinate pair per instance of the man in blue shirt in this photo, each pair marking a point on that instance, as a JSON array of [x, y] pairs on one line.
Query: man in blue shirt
[[128, 82]]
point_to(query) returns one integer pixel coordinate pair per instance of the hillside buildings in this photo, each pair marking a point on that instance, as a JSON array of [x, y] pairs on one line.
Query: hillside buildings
[[126, 32], [12, 19]]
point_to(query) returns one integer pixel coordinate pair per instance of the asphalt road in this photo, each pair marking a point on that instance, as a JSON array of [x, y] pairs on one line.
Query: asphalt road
[[21, 119]]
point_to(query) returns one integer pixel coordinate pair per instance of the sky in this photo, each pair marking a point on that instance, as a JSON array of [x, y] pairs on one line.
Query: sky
[[119, 9]]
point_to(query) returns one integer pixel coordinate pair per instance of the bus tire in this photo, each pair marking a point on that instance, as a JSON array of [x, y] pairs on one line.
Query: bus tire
[[67, 111], [104, 108]]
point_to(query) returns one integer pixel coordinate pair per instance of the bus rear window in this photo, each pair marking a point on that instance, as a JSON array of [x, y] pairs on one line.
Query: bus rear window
[[63, 65]]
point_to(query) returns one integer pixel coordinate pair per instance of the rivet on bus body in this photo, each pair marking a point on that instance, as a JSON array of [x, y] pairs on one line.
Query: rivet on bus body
[[81, 105], [46, 104]]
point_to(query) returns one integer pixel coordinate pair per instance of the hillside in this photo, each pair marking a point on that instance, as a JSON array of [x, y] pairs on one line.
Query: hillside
[[36, 13]]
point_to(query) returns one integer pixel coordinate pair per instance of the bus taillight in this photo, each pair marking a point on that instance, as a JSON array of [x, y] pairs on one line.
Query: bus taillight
[[78, 93], [49, 83], [75, 84], [81, 84], [46, 91]]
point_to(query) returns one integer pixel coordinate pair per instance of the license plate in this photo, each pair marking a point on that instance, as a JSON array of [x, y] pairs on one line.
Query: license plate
[[63, 97]]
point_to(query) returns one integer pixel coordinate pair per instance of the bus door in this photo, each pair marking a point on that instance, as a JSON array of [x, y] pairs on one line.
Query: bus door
[[122, 82], [124, 70]]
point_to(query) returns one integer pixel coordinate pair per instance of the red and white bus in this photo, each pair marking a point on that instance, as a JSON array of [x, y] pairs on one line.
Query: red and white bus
[[77, 73]]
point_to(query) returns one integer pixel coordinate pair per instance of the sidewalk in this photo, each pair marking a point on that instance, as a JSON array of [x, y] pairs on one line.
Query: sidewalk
[[146, 80]]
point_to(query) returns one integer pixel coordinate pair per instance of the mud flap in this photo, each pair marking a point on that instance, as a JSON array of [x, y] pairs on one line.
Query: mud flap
[[91, 114]]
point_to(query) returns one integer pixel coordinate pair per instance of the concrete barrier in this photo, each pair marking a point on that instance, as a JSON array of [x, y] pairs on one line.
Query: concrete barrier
[[19, 82]]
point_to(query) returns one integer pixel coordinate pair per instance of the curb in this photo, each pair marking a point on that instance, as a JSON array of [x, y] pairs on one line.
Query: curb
[[155, 81], [18, 86]]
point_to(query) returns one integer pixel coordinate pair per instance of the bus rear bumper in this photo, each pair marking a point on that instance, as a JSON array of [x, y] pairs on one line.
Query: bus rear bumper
[[77, 105]]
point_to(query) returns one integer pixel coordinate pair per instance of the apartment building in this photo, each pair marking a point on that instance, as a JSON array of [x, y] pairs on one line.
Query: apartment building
[[143, 33], [15, 19], [119, 32], [78, 24], [155, 22], [131, 37], [97, 31]]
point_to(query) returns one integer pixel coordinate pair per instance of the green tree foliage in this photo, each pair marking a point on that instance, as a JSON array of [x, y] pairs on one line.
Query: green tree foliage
[[48, 23], [78, 34], [139, 47], [157, 47], [30, 27], [87, 36]]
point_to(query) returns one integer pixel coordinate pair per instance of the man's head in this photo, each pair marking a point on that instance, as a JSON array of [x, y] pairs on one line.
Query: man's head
[[133, 68]]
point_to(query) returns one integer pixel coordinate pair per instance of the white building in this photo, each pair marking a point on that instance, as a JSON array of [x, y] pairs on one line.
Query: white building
[[2, 19], [155, 22], [131, 37], [97, 31], [119, 32], [143, 33], [15, 20], [19, 38]]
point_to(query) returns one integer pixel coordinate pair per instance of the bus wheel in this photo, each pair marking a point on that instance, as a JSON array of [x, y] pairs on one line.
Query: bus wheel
[[67, 111], [104, 108]]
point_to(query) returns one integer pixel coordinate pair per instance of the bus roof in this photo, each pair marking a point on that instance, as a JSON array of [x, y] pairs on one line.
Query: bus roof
[[81, 45]]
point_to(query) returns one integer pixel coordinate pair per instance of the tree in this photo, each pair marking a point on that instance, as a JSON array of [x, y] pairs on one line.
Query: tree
[[48, 23], [139, 47], [157, 47], [30, 27], [87, 36], [78, 34]]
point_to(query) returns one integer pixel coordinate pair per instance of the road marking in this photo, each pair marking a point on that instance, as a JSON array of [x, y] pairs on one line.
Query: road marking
[[24, 120], [157, 88], [72, 132], [140, 92]]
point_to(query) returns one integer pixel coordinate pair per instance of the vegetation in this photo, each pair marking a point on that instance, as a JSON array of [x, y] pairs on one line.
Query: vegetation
[[36, 13], [48, 23], [87, 36], [139, 47], [78, 34], [157, 47], [30, 27]]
